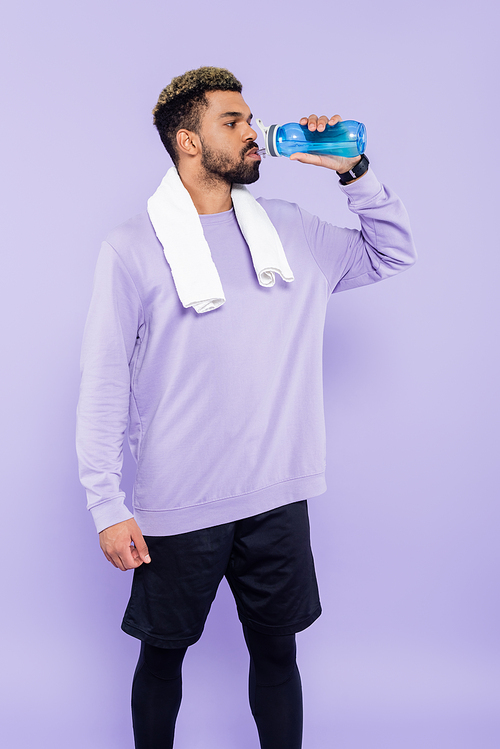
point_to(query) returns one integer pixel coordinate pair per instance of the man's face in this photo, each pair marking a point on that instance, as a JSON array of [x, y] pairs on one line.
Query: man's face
[[228, 141]]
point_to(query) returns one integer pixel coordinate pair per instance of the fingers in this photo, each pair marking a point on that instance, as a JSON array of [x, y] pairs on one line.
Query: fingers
[[337, 163], [140, 553], [109, 558], [306, 158], [314, 122], [123, 559], [123, 545]]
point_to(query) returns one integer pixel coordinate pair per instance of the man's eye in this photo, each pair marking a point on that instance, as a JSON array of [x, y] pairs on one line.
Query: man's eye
[[231, 124]]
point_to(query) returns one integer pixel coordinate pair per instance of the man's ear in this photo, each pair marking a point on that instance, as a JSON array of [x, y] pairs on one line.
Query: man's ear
[[188, 142]]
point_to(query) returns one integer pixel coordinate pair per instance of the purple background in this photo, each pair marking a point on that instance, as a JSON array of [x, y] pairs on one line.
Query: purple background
[[406, 539]]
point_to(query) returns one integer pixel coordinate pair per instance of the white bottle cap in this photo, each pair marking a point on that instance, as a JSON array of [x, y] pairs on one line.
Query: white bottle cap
[[269, 137]]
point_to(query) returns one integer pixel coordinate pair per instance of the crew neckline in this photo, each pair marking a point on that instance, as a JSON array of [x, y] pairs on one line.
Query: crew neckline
[[217, 218]]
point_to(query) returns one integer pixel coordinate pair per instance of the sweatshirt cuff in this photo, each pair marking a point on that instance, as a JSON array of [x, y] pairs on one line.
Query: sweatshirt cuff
[[362, 190], [109, 513]]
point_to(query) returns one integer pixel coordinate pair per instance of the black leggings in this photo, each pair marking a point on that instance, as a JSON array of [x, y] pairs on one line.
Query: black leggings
[[274, 689]]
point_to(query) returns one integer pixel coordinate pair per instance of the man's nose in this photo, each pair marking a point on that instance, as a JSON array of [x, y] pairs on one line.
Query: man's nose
[[250, 134]]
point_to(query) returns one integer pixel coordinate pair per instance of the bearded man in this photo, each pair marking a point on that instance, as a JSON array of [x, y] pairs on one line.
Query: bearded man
[[204, 339]]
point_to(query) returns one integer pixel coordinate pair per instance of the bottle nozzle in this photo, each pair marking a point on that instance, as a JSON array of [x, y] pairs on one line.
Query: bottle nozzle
[[269, 138]]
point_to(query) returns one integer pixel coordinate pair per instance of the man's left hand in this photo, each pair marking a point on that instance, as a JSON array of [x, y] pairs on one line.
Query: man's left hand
[[339, 164]]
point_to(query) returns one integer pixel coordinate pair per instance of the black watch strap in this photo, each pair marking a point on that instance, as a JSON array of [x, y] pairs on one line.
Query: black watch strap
[[357, 171]]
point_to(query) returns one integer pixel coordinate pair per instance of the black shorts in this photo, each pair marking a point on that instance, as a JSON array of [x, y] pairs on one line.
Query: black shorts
[[266, 559]]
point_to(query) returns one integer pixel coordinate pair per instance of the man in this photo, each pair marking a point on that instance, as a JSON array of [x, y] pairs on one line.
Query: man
[[222, 396]]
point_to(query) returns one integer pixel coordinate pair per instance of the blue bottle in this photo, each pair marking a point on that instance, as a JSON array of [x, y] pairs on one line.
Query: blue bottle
[[347, 138]]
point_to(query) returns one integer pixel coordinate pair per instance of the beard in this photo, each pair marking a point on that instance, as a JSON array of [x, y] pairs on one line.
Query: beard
[[219, 166]]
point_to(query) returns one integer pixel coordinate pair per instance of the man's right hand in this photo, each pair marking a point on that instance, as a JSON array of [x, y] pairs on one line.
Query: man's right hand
[[124, 546]]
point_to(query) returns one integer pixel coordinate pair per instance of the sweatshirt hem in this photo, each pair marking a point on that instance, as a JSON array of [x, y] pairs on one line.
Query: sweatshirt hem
[[171, 522]]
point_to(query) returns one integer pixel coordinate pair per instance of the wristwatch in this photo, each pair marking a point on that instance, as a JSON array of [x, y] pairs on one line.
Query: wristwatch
[[357, 171]]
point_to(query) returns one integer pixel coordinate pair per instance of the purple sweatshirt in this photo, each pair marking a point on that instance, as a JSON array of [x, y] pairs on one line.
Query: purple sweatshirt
[[224, 409]]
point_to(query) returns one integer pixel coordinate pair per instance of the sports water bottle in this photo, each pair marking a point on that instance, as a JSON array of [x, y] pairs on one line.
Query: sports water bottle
[[346, 138]]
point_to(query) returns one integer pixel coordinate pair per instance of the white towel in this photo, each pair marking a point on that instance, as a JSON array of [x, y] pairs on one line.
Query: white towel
[[178, 227]]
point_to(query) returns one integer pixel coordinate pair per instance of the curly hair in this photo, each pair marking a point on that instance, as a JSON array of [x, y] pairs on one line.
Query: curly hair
[[182, 102]]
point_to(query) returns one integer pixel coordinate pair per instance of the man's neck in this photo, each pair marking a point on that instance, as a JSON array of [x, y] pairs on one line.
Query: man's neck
[[208, 196]]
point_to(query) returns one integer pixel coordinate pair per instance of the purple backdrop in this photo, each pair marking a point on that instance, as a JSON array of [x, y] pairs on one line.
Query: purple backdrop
[[406, 653]]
